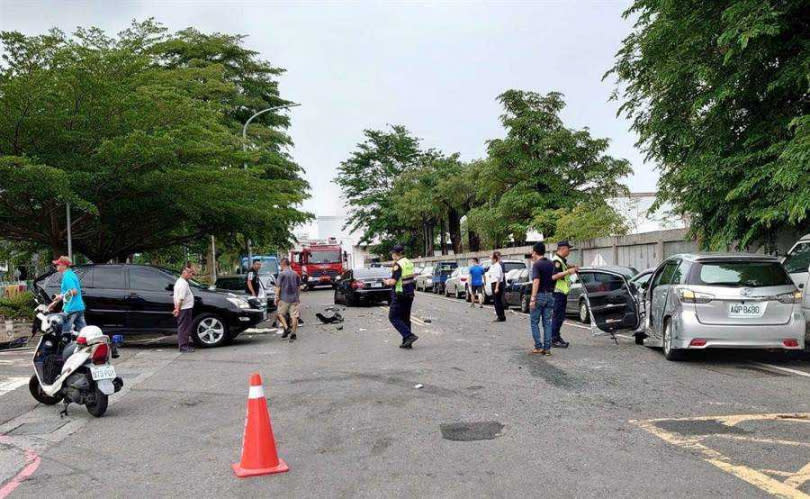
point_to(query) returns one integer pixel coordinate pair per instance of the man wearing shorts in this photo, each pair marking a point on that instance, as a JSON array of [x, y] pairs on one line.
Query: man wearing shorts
[[288, 299], [476, 282]]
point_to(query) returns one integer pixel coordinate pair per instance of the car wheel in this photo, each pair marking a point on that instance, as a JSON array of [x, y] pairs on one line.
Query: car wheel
[[524, 304], [352, 301], [446, 292], [336, 298], [584, 315], [40, 396], [670, 353], [209, 331], [639, 339]]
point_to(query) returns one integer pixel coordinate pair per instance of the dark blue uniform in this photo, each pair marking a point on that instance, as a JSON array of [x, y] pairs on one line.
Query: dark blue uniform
[[399, 312]]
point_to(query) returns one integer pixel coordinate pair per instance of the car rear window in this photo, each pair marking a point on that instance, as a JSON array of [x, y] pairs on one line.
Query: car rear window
[[507, 266], [740, 274], [371, 273]]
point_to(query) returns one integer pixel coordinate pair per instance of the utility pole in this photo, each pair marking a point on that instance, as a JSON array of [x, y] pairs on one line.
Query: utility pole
[[244, 148], [69, 237]]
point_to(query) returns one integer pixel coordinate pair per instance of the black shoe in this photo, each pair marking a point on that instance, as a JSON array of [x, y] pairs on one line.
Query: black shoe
[[559, 343], [286, 333], [292, 337], [407, 342], [500, 320]]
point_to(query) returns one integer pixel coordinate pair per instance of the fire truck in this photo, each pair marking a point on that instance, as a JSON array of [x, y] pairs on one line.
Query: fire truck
[[319, 263]]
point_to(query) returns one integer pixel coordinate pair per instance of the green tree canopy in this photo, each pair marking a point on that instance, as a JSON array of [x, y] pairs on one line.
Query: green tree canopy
[[141, 134], [540, 167], [718, 93]]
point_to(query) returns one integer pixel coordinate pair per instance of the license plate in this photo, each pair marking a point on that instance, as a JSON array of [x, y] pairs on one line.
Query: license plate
[[376, 284], [746, 310], [102, 372]]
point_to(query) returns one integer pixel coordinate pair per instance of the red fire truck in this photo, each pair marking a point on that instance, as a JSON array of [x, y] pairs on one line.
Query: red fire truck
[[319, 263]]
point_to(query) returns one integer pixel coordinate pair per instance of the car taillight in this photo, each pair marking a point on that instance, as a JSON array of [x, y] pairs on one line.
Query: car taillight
[[791, 343], [463, 279], [358, 284], [697, 342], [689, 296], [100, 353], [789, 298]]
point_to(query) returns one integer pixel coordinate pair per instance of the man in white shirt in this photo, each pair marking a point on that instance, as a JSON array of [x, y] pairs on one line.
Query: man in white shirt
[[183, 308], [497, 281]]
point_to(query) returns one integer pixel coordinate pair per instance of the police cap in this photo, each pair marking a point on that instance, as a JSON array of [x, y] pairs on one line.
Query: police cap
[[398, 249]]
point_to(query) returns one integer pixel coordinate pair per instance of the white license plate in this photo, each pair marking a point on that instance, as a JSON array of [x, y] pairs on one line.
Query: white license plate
[[102, 372], [746, 310], [376, 284]]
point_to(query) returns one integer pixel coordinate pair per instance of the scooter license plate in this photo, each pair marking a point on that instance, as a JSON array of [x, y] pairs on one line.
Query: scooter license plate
[[102, 372]]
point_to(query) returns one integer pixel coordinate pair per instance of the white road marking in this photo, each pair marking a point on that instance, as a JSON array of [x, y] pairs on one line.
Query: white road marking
[[784, 369], [11, 384]]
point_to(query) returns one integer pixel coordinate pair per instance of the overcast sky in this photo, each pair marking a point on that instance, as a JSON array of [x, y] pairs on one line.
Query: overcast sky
[[435, 67]]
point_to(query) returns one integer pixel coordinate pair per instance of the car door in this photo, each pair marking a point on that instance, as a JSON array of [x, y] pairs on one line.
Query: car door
[[610, 299], [656, 297], [150, 299], [105, 297], [574, 294]]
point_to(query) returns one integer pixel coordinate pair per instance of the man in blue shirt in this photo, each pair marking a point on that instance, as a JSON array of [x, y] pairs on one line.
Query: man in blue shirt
[[476, 282], [71, 294], [541, 305]]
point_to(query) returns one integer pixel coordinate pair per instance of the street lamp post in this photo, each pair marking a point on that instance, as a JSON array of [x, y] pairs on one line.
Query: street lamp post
[[244, 148]]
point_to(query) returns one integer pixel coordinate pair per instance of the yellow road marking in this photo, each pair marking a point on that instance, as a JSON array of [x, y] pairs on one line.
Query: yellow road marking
[[757, 478]]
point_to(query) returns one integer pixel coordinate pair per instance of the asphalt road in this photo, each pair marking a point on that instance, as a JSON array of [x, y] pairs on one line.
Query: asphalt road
[[490, 420]]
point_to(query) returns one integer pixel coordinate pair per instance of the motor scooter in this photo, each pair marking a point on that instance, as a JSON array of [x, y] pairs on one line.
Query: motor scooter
[[72, 366]]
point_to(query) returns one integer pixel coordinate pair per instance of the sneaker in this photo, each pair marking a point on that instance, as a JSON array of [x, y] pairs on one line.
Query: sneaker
[[559, 343], [292, 337], [547, 353], [186, 349], [286, 333], [539, 351], [500, 320], [409, 341]]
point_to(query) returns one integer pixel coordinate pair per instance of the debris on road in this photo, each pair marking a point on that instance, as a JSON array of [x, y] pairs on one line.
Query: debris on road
[[335, 316], [418, 386]]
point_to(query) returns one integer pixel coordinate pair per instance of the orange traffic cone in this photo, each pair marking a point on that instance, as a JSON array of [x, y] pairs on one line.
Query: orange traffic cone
[[259, 456]]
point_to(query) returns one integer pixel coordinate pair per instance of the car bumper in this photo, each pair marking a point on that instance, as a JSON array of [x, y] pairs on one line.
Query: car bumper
[[320, 280], [246, 318], [379, 294], [687, 329]]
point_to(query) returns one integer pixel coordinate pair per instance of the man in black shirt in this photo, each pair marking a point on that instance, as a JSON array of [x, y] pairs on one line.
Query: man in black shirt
[[252, 284], [541, 305]]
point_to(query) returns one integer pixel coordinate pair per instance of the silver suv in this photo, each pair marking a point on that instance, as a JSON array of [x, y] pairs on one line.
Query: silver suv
[[707, 300]]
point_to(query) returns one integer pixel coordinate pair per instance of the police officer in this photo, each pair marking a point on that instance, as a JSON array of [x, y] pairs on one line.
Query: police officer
[[562, 276], [253, 285], [401, 296]]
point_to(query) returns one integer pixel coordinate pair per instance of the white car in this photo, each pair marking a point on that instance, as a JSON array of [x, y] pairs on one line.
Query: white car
[[424, 281], [456, 284], [798, 260]]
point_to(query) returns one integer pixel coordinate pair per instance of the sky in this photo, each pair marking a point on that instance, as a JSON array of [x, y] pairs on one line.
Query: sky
[[435, 67]]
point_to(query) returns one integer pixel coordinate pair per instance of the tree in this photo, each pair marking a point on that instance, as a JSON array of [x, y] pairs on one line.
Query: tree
[[140, 134], [593, 218], [539, 167], [367, 180], [717, 92]]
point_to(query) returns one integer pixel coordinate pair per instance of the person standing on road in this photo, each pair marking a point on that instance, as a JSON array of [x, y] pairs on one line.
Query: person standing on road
[[183, 308], [562, 276], [541, 305], [476, 282], [70, 294], [399, 312], [288, 299], [497, 277], [253, 285]]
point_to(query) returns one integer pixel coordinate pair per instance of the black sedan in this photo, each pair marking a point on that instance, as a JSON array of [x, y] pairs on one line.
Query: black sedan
[[518, 289], [138, 299], [362, 285]]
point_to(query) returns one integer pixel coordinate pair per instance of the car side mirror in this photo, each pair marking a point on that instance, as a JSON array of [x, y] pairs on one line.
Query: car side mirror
[[170, 287]]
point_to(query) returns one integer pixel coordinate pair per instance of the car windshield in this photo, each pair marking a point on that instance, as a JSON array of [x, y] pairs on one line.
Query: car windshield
[[324, 257], [509, 266], [269, 268], [191, 282], [372, 273], [427, 270], [464, 270], [739, 274], [799, 259]]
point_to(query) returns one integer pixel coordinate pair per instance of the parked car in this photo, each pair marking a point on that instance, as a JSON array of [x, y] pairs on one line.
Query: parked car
[[456, 284], [362, 285], [706, 300], [518, 289], [236, 285], [507, 266], [138, 299], [798, 260], [576, 304], [424, 281], [441, 272]]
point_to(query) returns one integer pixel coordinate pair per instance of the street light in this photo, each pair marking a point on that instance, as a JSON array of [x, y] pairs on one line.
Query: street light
[[244, 148]]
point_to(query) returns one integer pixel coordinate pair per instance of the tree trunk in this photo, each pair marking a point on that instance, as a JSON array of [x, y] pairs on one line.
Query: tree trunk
[[429, 239], [454, 224], [475, 240], [442, 241]]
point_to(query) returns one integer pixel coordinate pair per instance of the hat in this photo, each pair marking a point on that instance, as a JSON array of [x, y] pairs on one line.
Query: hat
[[564, 242], [398, 249], [62, 260]]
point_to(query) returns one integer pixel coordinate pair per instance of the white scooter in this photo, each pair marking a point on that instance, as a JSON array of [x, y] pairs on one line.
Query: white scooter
[[72, 367]]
